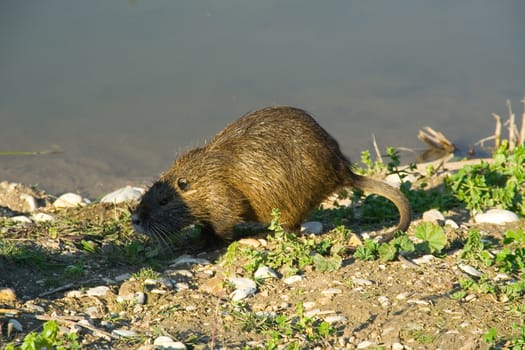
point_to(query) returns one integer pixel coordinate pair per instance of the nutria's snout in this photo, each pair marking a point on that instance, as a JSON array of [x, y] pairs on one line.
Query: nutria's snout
[[137, 223]]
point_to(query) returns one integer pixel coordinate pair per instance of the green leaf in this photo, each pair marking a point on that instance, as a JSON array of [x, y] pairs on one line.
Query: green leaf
[[327, 264], [387, 252], [433, 234]]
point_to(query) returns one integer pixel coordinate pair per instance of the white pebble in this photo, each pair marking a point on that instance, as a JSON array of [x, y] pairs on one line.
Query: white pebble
[[124, 194], [186, 259], [41, 217], [309, 305], [99, 291], [383, 300], [293, 279], [451, 223], [433, 215], [264, 272], [140, 298], [496, 216], [313, 227], [397, 346], [470, 270], [312, 312], [335, 318], [167, 343], [126, 333], [21, 218], [69, 200], [418, 302], [365, 344], [362, 282], [331, 291], [30, 200], [244, 287], [425, 259]]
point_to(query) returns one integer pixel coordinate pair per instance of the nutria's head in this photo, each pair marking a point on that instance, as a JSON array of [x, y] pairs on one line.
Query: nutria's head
[[162, 210]]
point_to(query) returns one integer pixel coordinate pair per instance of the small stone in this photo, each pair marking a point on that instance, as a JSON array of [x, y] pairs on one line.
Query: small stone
[[31, 204], [425, 259], [383, 300], [250, 242], [312, 312], [470, 270], [365, 344], [244, 287], [309, 305], [41, 217], [21, 218], [188, 260], [496, 216], [362, 282], [334, 319], [451, 223], [17, 326], [124, 194], [397, 346], [123, 277], [7, 295], [433, 215], [313, 227], [164, 342], [182, 286], [74, 294], [331, 291], [417, 302], [69, 200], [293, 279], [126, 333], [99, 291], [34, 307], [264, 272]]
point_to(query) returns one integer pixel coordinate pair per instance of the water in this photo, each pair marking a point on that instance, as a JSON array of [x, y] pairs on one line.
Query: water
[[122, 87]]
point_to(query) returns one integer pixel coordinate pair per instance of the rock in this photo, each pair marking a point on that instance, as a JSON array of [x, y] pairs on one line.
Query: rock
[[69, 200], [365, 344], [496, 216], [451, 223], [123, 277], [331, 291], [31, 204], [383, 300], [250, 242], [362, 282], [99, 291], [433, 215], [425, 259], [164, 342], [15, 325], [21, 218], [293, 279], [335, 318], [313, 227], [188, 260], [397, 346], [395, 181], [126, 333], [244, 287], [41, 217], [469, 270], [264, 272], [124, 194]]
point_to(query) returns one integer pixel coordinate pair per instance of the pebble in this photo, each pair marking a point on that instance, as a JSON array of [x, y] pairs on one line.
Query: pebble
[[126, 333], [433, 215], [309, 305], [124, 194], [244, 287], [293, 279], [365, 344], [250, 242], [17, 326], [397, 346], [313, 227], [123, 277], [425, 259], [41, 217], [331, 291], [69, 200], [496, 216], [470, 270], [451, 223], [188, 260], [335, 318], [264, 272], [362, 282], [395, 181], [99, 291], [383, 300], [21, 218], [164, 342], [30, 201]]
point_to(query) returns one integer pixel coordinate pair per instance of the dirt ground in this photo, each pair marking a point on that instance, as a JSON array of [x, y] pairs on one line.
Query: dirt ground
[[369, 304]]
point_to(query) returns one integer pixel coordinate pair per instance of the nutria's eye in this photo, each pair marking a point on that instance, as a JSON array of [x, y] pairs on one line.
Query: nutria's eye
[[183, 184], [164, 201]]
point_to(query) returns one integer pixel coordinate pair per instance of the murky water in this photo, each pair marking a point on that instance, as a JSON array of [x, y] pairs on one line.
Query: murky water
[[122, 86]]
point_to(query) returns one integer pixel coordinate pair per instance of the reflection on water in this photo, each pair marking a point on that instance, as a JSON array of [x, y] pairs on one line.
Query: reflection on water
[[122, 87]]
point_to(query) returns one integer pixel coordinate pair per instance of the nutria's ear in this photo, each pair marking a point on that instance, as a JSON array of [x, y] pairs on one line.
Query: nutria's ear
[[183, 184]]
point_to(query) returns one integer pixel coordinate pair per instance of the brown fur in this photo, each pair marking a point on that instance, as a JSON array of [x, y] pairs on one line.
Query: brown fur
[[277, 157]]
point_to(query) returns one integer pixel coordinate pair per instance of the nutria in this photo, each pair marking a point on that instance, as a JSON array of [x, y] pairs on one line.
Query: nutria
[[276, 157]]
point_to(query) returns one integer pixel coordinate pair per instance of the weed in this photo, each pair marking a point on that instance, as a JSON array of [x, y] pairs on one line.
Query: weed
[[50, 338]]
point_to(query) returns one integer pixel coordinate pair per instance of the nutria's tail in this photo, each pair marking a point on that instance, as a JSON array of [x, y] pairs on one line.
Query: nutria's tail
[[391, 193]]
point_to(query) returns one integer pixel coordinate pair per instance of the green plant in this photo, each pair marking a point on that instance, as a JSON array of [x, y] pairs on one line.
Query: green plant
[[433, 236], [500, 183], [49, 339]]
